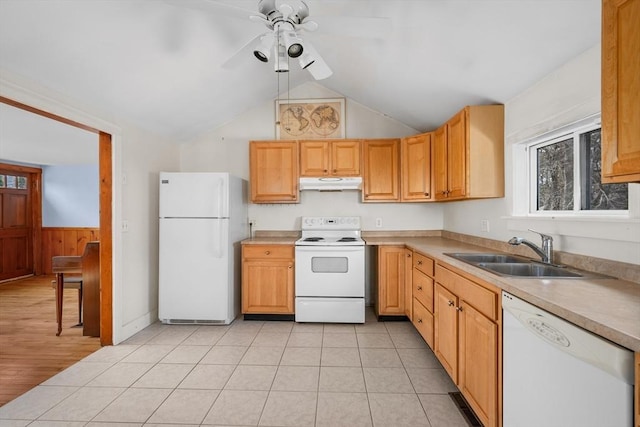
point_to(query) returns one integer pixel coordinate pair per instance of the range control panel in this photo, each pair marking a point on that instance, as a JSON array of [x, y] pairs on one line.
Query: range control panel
[[331, 223]]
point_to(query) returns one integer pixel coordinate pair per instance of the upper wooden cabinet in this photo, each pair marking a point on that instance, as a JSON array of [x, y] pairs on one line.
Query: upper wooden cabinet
[[469, 154], [381, 163], [415, 166], [330, 158], [274, 171], [620, 91]]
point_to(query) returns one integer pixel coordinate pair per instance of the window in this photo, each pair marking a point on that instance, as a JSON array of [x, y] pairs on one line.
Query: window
[[565, 175]]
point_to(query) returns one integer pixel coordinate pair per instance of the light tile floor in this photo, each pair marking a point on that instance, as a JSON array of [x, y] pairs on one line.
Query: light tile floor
[[249, 373]]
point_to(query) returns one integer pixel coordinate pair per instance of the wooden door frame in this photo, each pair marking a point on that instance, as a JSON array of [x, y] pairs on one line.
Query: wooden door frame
[[106, 215]]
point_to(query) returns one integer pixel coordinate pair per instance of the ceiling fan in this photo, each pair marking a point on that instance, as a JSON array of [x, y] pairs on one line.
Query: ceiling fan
[[285, 22]]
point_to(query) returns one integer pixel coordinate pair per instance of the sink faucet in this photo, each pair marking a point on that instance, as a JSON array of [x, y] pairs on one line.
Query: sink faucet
[[545, 252]]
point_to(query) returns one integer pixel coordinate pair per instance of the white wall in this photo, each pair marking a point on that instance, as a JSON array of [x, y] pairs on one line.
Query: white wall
[[565, 96], [71, 195], [139, 155], [226, 149]]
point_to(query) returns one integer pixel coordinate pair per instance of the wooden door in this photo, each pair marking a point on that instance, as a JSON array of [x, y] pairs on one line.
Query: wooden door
[[345, 158], [314, 158], [457, 156], [445, 330], [381, 180], [620, 91], [440, 185], [274, 171], [391, 272], [478, 358], [16, 224], [416, 168]]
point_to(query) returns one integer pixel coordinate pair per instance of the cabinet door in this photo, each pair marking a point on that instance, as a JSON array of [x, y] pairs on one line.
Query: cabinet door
[[445, 330], [274, 171], [345, 158], [314, 158], [416, 167], [457, 156], [381, 180], [267, 287], [440, 163], [620, 91], [391, 271], [478, 369]]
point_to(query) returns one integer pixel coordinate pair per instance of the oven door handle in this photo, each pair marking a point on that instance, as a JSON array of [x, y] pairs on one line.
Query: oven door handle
[[332, 249]]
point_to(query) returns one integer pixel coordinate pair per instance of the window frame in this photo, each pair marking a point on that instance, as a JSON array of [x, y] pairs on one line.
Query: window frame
[[573, 131]]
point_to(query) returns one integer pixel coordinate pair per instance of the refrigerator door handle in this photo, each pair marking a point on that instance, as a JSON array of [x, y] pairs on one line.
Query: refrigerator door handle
[[218, 239]]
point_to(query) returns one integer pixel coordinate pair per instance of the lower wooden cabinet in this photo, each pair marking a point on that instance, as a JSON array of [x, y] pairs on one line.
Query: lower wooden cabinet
[[466, 339], [391, 281], [268, 279]]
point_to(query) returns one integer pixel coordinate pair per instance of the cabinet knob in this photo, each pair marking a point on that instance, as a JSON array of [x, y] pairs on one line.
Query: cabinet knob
[[408, 255], [267, 252], [419, 262], [419, 288], [450, 303], [444, 192], [325, 171], [458, 308], [426, 194], [290, 266], [419, 320]]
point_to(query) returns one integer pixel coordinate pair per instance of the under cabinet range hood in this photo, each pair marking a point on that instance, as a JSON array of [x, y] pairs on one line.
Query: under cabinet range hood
[[331, 183]]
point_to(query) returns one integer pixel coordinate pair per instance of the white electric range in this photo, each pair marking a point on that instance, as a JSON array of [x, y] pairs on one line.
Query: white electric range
[[330, 271]]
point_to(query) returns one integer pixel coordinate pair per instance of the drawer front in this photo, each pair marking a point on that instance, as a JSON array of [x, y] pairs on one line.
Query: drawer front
[[423, 264], [268, 251], [483, 299], [423, 289], [423, 321]]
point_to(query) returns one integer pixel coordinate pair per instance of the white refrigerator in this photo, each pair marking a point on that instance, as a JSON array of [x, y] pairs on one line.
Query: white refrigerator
[[203, 218]]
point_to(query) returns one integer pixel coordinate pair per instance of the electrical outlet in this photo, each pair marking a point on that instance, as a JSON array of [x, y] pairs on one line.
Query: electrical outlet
[[252, 222], [125, 226], [378, 222], [484, 225]]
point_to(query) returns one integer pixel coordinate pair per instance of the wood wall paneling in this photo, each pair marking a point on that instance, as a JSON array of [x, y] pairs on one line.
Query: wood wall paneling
[[65, 241]]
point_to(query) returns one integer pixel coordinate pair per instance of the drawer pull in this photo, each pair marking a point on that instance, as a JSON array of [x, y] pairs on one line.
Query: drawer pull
[[267, 252]]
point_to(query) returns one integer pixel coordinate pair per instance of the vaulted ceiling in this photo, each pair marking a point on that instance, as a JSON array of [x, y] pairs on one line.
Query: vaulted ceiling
[[159, 64]]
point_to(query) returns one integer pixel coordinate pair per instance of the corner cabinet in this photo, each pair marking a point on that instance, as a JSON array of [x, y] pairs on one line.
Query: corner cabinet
[[466, 339], [381, 180], [415, 164], [620, 91], [268, 279], [469, 154], [330, 158], [274, 175]]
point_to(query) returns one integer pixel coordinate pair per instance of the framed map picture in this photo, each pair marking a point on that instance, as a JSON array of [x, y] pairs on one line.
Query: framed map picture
[[310, 118]]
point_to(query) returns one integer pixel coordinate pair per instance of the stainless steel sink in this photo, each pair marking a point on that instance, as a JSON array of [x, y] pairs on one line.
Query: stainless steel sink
[[518, 266], [529, 269], [472, 258]]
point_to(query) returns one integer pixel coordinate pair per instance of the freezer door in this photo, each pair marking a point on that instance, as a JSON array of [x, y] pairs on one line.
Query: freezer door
[[195, 270], [194, 195]]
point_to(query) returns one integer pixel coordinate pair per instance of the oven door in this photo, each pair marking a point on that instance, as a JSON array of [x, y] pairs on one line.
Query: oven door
[[330, 271]]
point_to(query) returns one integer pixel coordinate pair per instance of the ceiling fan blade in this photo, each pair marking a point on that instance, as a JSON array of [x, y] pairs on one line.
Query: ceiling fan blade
[[318, 69], [214, 7], [242, 54]]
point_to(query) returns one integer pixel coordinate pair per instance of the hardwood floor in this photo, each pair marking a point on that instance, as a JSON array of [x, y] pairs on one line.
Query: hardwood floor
[[30, 351]]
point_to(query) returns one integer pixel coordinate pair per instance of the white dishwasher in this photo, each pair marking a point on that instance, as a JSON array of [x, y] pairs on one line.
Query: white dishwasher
[[556, 374]]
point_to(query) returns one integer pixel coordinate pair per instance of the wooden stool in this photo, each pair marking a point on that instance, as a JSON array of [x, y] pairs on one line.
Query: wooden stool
[[72, 282]]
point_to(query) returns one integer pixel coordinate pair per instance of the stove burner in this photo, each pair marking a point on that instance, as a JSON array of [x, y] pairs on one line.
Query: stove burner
[[313, 239], [347, 239]]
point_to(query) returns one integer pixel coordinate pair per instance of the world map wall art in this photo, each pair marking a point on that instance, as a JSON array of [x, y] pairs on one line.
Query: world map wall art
[[310, 118]]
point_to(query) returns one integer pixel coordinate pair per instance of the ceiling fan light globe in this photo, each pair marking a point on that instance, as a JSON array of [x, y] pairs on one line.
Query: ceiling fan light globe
[[295, 50], [261, 56]]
